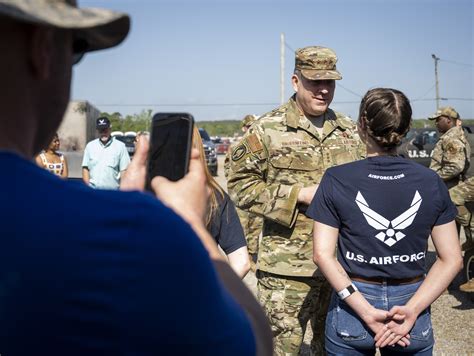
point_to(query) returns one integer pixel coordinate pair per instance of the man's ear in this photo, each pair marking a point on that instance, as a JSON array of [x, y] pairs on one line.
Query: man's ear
[[294, 82], [41, 51]]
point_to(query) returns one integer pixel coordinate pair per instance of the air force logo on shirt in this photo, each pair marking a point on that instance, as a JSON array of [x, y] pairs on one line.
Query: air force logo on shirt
[[378, 222]]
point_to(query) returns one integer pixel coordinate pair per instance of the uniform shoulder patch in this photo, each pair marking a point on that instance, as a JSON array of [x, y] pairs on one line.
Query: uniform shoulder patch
[[239, 152], [254, 143]]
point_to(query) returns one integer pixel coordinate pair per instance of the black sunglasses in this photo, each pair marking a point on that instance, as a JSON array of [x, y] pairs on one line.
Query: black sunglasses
[[79, 49]]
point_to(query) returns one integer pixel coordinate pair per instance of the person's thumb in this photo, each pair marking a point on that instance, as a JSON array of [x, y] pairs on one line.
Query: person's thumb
[[141, 151]]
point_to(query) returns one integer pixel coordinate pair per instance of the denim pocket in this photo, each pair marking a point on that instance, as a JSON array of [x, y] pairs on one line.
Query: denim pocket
[[422, 329], [346, 323]]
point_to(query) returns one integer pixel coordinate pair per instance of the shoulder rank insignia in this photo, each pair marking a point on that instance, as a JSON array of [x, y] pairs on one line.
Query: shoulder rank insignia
[[254, 143]]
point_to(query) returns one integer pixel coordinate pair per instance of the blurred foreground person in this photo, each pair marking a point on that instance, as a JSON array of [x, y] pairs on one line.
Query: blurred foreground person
[[221, 219], [122, 273], [379, 213], [52, 160]]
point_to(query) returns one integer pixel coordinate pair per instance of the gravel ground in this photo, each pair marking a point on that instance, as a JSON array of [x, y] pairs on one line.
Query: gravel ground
[[452, 312]]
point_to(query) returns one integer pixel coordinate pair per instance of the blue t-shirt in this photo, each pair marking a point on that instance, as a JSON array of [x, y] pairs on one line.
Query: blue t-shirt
[[225, 226], [90, 272], [385, 208]]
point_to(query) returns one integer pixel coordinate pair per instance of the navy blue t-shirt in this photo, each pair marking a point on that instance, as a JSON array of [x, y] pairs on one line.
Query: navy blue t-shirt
[[225, 226], [385, 208], [91, 272]]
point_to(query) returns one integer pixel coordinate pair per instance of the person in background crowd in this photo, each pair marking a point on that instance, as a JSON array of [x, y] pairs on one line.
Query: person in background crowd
[[275, 171], [379, 212], [105, 158], [251, 223], [52, 160], [118, 273], [452, 153], [222, 220], [460, 195]]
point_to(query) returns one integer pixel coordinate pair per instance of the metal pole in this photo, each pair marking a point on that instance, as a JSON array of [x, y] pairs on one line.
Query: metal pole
[[282, 68], [436, 59]]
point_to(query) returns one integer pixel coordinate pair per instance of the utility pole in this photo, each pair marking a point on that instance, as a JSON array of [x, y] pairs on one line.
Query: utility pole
[[282, 68], [436, 59]]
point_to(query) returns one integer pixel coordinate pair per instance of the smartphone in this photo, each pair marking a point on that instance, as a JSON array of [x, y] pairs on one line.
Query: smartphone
[[170, 146]]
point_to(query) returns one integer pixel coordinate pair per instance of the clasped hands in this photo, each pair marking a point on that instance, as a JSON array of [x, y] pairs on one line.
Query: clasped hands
[[391, 327]]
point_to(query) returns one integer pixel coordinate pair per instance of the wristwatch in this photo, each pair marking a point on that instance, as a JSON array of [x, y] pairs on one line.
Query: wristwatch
[[343, 294]]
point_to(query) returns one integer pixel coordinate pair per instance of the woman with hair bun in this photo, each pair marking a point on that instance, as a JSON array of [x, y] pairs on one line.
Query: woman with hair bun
[[379, 212]]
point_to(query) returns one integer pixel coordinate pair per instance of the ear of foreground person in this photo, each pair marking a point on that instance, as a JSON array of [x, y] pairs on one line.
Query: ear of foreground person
[[97, 272]]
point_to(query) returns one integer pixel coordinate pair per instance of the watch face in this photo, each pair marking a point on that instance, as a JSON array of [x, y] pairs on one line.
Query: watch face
[[351, 289]]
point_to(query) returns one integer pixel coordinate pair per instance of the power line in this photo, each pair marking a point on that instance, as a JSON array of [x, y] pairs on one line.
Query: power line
[[457, 63], [350, 91], [427, 92]]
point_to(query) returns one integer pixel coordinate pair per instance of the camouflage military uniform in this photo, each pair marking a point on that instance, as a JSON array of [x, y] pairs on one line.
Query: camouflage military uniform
[[451, 156], [281, 153]]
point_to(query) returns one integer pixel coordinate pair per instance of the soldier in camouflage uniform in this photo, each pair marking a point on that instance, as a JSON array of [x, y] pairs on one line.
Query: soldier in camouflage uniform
[[251, 223], [452, 152], [275, 172], [460, 195], [451, 160]]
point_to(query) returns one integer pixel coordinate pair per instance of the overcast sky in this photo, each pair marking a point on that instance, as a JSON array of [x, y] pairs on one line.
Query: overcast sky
[[221, 59]]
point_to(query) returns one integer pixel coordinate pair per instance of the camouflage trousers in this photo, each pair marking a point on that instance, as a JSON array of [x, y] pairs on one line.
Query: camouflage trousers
[[290, 302], [460, 195]]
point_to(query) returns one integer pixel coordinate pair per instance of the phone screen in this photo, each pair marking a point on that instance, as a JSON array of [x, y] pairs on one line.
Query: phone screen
[[170, 146]]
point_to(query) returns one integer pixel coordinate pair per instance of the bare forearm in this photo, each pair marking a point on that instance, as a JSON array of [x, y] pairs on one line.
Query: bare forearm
[[85, 175], [437, 280], [239, 261], [338, 278]]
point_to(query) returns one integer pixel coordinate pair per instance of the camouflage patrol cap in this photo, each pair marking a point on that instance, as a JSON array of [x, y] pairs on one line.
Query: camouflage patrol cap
[[93, 28], [248, 120], [447, 111], [317, 63]]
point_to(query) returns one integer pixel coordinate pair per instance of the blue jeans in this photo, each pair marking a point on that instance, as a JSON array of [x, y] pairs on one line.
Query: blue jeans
[[346, 333]]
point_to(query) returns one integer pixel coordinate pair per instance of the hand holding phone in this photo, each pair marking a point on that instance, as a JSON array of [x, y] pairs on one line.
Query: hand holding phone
[[170, 146]]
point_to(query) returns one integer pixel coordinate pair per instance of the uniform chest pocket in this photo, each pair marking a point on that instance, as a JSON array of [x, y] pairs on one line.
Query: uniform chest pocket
[[297, 161], [341, 153]]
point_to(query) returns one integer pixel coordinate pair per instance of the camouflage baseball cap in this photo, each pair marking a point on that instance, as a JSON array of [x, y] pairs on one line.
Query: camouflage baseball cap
[[317, 63], [248, 120], [447, 111], [93, 28]]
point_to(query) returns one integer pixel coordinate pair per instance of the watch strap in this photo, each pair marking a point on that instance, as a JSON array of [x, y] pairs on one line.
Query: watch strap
[[343, 294]]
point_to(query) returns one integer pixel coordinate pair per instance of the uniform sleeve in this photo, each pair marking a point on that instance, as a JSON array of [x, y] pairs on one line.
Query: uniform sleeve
[[247, 181], [450, 164], [85, 158], [447, 209], [322, 208], [124, 159], [231, 235]]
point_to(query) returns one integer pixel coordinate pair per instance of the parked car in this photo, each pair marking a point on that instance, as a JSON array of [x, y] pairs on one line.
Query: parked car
[[210, 151], [418, 145], [128, 138], [222, 146]]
